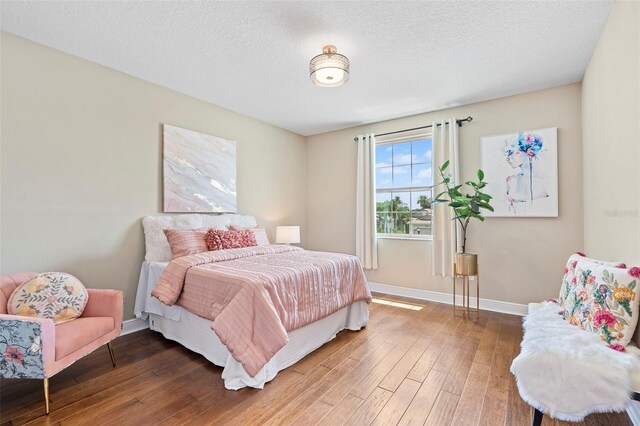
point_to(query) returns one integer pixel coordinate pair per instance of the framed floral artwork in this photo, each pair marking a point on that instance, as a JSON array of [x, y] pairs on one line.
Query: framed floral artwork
[[521, 170]]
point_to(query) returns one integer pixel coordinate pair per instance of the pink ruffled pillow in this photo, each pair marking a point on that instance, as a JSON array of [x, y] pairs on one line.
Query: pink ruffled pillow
[[220, 239], [259, 233]]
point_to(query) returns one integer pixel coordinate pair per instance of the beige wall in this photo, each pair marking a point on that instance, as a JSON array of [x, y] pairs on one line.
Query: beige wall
[[521, 259], [611, 139], [81, 164]]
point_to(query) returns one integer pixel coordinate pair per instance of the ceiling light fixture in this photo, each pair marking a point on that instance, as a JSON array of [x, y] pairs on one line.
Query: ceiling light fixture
[[330, 69]]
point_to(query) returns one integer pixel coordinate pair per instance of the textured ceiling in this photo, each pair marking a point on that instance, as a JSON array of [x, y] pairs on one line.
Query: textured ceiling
[[253, 57]]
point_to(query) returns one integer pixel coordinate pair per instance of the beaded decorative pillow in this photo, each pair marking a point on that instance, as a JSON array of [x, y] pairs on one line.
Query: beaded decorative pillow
[[218, 239], [258, 231], [54, 295]]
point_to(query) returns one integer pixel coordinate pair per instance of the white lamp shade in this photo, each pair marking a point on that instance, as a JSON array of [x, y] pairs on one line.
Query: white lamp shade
[[330, 69], [287, 234]]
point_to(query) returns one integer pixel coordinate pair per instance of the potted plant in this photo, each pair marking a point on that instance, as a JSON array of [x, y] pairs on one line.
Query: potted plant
[[467, 201]]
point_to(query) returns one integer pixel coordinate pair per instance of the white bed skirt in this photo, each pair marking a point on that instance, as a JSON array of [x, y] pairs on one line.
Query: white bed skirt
[[195, 333]]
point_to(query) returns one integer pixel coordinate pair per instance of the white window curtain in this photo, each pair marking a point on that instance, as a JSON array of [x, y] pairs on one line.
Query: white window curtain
[[444, 228], [366, 242]]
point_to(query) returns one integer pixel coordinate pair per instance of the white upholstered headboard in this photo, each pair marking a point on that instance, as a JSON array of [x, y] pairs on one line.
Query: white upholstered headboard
[[156, 244]]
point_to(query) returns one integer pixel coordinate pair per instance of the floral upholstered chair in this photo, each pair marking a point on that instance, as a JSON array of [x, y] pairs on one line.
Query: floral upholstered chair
[[36, 348]]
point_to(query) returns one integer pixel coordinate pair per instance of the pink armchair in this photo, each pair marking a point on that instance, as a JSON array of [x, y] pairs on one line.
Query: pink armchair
[[36, 348]]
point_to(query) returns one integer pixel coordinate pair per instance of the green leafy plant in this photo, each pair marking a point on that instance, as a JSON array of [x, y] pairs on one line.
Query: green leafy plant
[[466, 200]]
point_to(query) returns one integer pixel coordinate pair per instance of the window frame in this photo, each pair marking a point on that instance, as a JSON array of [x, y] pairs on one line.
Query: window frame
[[408, 189]]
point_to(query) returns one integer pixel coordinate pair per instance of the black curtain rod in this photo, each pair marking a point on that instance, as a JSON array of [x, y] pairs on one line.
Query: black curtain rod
[[459, 122]]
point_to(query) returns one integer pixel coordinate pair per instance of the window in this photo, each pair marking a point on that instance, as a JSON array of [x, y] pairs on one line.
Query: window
[[403, 193]]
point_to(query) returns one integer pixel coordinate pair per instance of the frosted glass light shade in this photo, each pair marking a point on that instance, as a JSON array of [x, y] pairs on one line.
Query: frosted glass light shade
[[287, 234], [329, 69]]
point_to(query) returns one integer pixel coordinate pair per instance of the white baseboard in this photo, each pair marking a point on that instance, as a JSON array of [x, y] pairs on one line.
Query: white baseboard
[[133, 325], [434, 296]]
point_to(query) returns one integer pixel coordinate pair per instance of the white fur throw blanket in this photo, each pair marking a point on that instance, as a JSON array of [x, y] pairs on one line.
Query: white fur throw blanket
[[568, 372]]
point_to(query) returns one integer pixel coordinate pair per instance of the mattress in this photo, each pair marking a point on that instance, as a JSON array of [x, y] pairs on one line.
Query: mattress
[[145, 303], [195, 333]]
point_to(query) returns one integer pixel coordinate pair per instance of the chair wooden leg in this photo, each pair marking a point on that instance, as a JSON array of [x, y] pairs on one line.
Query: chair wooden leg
[[537, 417], [46, 395], [111, 354]]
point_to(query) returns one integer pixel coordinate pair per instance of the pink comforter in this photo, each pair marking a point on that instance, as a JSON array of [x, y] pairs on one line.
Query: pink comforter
[[255, 295]]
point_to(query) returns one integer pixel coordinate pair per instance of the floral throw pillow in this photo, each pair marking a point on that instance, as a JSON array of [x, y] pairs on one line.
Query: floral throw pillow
[[568, 283], [568, 288], [606, 301], [54, 295]]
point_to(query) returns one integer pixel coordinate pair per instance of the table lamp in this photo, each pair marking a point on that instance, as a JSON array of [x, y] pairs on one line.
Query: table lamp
[[287, 234]]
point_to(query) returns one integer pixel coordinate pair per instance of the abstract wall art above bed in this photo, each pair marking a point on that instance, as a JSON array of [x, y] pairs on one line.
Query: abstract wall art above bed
[[522, 173], [199, 172]]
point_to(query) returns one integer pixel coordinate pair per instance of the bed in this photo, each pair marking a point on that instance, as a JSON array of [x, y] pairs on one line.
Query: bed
[[207, 272]]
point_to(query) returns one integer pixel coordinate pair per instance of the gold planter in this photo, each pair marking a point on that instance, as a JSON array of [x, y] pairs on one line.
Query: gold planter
[[466, 264]]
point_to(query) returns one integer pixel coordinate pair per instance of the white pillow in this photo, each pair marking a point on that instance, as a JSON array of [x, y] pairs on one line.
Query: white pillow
[[606, 301], [156, 243]]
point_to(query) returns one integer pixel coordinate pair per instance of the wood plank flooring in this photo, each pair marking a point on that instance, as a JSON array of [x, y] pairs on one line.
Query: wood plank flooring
[[408, 367]]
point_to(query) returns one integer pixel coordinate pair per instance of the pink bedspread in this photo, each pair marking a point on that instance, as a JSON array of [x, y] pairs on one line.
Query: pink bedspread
[[255, 295]]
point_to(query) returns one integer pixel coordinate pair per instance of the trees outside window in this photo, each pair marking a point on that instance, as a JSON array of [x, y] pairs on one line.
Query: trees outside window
[[403, 187]]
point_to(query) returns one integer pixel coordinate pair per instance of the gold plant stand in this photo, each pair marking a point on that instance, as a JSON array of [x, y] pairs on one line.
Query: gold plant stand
[[466, 266]]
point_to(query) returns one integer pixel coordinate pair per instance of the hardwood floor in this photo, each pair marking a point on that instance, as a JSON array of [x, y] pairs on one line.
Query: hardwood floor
[[408, 367]]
